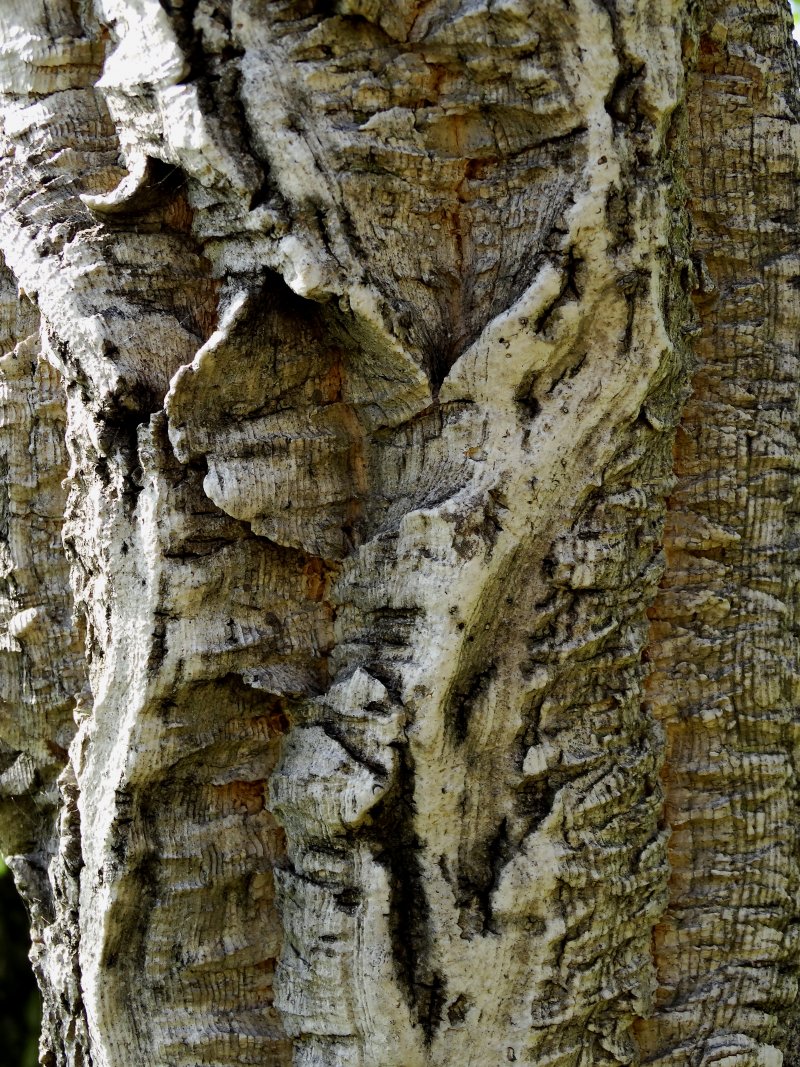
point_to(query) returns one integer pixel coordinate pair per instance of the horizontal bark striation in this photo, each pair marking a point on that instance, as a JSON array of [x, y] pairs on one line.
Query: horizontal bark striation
[[454, 484], [465, 155], [36, 599], [724, 627], [177, 898], [373, 363], [172, 927], [42, 670], [453, 804]]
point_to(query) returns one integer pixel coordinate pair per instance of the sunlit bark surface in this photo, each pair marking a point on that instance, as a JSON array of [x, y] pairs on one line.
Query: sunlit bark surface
[[397, 669]]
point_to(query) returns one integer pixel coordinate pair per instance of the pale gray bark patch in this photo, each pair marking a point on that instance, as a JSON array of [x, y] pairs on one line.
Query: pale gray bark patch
[[42, 671]]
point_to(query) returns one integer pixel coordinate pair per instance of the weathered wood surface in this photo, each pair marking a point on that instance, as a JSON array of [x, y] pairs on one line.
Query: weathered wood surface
[[726, 678], [395, 727]]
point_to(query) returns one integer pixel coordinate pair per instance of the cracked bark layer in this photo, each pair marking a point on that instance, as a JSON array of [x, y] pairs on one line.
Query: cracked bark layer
[[42, 674], [724, 626], [371, 324]]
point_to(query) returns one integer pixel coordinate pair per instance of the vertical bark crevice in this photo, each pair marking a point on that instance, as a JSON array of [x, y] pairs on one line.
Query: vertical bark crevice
[[374, 350]]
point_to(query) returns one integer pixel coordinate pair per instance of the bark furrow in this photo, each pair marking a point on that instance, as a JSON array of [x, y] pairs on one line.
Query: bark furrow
[[725, 625], [371, 321]]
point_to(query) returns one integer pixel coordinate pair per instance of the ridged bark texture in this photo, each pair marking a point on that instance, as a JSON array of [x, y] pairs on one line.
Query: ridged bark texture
[[396, 727], [725, 626]]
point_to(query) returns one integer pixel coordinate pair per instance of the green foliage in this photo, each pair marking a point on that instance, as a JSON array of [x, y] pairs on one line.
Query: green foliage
[[20, 1004]]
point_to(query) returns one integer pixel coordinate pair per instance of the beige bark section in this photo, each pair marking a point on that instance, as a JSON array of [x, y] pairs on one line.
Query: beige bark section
[[370, 324], [724, 627], [42, 668], [412, 513]]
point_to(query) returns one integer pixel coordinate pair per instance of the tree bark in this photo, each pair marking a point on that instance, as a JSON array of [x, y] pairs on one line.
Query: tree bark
[[399, 436]]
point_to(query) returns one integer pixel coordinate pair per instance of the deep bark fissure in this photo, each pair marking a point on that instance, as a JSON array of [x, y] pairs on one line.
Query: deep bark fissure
[[374, 353]]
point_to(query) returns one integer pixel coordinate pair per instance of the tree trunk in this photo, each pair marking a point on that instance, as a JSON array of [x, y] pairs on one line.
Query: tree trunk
[[399, 435]]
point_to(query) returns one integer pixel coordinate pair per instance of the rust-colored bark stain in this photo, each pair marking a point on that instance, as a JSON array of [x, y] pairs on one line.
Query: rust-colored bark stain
[[317, 577], [246, 798]]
